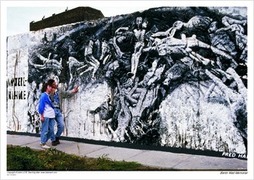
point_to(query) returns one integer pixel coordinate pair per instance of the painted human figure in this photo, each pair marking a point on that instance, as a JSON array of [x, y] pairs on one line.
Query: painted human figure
[[139, 33], [94, 63], [105, 111], [194, 24], [184, 46], [236, 27], [48, 63], [74, 67], [153, 74]]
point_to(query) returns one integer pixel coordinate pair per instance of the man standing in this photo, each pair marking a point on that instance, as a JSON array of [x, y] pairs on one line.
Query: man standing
[[56, 97]]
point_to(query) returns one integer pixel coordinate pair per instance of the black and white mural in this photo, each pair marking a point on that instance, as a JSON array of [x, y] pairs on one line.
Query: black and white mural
[[169, 77]]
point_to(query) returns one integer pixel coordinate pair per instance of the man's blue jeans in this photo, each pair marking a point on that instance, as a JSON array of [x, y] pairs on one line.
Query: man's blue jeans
[[59, 122], [47, 129]]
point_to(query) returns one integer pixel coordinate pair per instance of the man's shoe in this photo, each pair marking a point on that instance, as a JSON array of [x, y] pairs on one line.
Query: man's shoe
[[54, 143], [57, 140], [44, 146]]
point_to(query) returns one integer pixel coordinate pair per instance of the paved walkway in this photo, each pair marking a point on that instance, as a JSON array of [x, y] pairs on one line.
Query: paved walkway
[[146, 157]]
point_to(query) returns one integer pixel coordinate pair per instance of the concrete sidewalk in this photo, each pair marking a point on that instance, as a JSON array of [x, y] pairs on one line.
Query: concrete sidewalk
[[146, 157]]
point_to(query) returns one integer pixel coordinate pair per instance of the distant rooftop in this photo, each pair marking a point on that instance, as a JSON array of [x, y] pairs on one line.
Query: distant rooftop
[[68, 16]]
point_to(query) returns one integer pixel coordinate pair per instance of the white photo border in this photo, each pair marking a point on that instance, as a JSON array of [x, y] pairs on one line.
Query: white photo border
[[129, 6]]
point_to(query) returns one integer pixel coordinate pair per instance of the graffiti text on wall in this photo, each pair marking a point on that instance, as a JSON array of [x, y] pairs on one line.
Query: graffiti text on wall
[[18, 88]]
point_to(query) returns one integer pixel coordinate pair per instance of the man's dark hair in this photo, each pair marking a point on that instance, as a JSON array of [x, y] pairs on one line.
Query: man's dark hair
[[48, 83]]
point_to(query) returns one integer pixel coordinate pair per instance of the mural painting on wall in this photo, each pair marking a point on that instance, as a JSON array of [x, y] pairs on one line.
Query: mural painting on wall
[[169, 76]]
